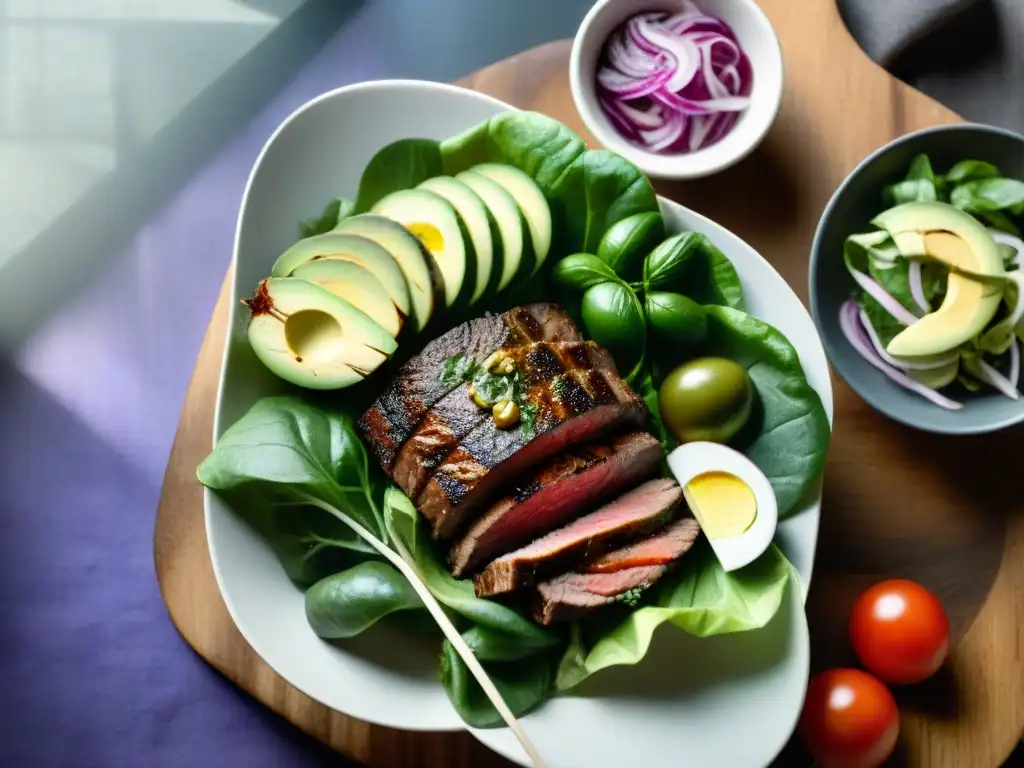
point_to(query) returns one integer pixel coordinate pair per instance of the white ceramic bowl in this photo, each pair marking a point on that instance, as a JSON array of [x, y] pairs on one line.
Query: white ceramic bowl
[[756, 37], [730, 700]]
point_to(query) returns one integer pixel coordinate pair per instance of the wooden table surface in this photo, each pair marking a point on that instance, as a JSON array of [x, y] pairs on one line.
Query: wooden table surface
[[944, 511]]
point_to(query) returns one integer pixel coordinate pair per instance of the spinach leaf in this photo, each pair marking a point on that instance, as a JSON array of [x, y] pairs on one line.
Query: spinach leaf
[[677, 319], [910, 191], [896, 281], [691, 264], [339, 208], [921, 169], [971, 170], [293, 451], [788, 433], [1000, 220], [699, 598], [406, 526], [986, 195], [540, 146], [403, 164], [348, 603], [524, 684], [614, 318], [628, 241], [649, 394], [886, 327], [490, 644], [595, 191], [581, 271]]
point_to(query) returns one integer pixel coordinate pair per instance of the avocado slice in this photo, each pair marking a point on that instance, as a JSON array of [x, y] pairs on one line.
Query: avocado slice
[[517, 247], [310, 337], [358, 250], [947, 234], [426, 286], [355, 284], [441, 232], [482, 228], [531, 202]]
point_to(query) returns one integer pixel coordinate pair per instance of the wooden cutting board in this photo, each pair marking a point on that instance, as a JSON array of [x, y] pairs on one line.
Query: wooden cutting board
[[944, 511]]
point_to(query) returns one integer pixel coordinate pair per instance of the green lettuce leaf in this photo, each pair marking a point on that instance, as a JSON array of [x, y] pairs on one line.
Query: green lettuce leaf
[[699, 597]]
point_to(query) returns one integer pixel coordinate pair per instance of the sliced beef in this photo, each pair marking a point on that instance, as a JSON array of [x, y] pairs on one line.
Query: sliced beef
[[552, 497], [636, 513], [572, 595], [581, 407], [665, 546], [417, 385], [456, 415], [604, 580]]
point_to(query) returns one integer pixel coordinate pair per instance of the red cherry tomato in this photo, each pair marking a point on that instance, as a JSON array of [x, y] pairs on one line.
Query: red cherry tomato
[[849, 720], [900, 631]]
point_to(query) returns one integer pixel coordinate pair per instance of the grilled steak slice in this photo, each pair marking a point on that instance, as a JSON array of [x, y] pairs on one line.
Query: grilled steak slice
[[635, 513], [456, 415], [665, 546], [572, 595], [417, 384], [582, 407], [555, 495]]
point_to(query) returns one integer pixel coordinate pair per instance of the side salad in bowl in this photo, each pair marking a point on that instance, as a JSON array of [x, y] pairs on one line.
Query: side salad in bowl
[[488, 352], [941, 305]]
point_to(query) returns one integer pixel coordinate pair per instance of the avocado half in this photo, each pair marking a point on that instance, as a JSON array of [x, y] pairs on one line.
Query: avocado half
[[949, 235]]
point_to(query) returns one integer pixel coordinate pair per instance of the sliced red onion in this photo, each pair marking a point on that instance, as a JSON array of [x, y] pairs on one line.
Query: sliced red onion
[[917, 287], [994, 378], [1014, 376], [849, 322], [933, 361], [688, 64], [879, 294]]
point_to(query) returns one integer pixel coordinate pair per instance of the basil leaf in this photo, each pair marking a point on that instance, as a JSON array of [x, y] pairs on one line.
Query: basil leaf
[[348, 603], [788, 433], [614, 319], [403, 164], [971, 170], [598, 189], [581, 271], [626, 243], [676, 318], [996, 194], [339, 208], [293, 450], [691, 264]]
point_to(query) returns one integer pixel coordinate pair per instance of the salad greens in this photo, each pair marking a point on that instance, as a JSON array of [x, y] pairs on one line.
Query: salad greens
[[290, 463], [403, 164], [896, 290], [699, 598]]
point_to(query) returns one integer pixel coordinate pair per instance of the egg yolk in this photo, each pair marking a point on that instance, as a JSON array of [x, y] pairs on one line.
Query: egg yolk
[[722, 503], [427, 234]]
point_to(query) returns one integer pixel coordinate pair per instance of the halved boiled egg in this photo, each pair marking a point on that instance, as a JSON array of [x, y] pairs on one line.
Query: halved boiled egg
[[731, 499]]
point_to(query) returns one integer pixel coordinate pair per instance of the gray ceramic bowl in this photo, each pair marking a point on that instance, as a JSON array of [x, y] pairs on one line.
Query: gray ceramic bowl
[[858, 199]]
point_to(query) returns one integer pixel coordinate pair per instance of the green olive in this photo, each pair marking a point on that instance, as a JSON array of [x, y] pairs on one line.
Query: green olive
[[706, 399]]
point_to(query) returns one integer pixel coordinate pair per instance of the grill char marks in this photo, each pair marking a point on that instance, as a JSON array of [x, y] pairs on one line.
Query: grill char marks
[[635, 513], [417, 385], [586, 406], [456, 415], [562, 491]]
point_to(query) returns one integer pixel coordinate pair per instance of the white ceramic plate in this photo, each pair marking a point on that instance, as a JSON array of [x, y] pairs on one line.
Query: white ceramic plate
[[729, 700]]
